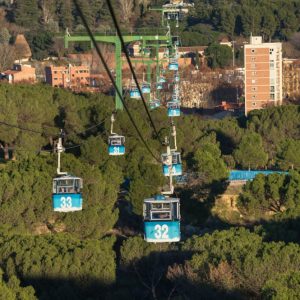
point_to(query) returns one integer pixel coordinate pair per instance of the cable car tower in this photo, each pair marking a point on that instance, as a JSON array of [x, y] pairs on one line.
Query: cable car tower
[[174, 10]]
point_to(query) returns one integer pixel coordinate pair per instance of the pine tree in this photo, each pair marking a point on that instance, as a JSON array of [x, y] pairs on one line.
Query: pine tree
[[26, 13]]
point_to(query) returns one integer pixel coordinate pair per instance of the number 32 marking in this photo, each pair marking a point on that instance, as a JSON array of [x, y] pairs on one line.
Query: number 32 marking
[[161, 232]]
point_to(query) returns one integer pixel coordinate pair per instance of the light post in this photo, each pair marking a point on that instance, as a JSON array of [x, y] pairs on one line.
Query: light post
[[233, 53]]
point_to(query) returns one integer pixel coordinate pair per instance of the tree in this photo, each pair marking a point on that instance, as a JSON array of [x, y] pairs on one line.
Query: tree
[[26, 13], [126, 7], [227, 20], [209, 163], [218, 56], [7, 57], [250, 152], [41, 44], [284, 286], [4, 36], [289, 155], [275, 192]]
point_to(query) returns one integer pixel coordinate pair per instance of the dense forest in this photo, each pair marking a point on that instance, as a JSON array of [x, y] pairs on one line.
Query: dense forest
[[99, 252], [43, 21]]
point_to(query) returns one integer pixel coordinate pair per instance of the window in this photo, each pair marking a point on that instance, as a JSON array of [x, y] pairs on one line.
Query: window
[[160, 206], [253, 73], [253, 97], [253, 58], [272, 96], [55, 78], [161, 215], [253, 66], [272, 89], [253, 103], [160, 211], [254, 89], [272, 66], [252, 50]]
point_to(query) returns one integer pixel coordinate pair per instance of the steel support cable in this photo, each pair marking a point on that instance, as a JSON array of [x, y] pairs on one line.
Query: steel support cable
[[111, 10], [43, 133], [111, 77], [20, 128]]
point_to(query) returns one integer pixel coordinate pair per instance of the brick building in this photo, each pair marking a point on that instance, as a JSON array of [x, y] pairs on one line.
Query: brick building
[[20, 73], [263, 74], [68, 76]]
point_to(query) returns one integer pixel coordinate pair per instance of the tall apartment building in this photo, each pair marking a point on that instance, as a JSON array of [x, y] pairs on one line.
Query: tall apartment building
[[263, 74]]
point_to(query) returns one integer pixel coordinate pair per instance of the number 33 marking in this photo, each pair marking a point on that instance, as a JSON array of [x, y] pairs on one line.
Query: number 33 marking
[[66, 202]]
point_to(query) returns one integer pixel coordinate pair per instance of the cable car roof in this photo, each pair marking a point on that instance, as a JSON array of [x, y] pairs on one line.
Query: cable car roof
[[116, 136], [67, 176], [153, 200]]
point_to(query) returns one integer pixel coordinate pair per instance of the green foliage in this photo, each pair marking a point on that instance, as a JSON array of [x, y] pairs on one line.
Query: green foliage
[[12, 290], [285, 286], [250, 152], [218, 56], [275, 125], [289, 155], [236, 263], [275, 192], [41, 43], [83, 267], [208, 160], [4, 36], [67, 254], [26, 13]]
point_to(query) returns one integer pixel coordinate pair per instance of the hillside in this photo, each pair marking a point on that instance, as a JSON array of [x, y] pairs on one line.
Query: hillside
[[99, 252], [43, 21]]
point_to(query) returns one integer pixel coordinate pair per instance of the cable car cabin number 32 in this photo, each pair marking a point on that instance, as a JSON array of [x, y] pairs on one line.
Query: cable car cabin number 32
[[161, 219]]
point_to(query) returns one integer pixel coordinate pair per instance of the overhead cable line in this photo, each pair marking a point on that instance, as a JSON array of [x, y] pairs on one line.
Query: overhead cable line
[[21, 128], [111, 10], [43, 133], [111, 77]]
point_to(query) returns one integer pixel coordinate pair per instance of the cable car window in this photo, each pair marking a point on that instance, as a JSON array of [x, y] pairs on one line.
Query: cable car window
[[160, 206], [114, 141], [65, 182], [161, 215]]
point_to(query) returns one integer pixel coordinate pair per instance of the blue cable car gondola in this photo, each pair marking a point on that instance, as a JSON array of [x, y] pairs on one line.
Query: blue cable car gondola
[[162, 79], [175, 98], [146, 88], [66, 195], [161, 219], [154, 104], [176, 77], [173, 64], [134, 93], [176, 164], [116, 145], [173, 109], [159, 86]]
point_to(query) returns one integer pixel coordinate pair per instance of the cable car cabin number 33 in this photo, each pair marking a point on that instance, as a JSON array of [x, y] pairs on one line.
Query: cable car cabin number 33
[[67, 194], [161, 219]]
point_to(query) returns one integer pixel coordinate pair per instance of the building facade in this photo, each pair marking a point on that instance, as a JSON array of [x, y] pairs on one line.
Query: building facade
[[263, 74], [20, 73], [68, 76]]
